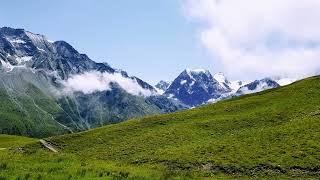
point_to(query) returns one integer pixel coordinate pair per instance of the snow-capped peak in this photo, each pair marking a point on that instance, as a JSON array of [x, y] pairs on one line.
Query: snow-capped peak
[[195, 72], [195, 87]]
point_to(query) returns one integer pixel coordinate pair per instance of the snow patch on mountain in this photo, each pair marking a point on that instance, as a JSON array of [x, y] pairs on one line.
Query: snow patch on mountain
[[93, 81], [223, 81], [41, 49], [23, 59], [183, 82], [18, 41], [162, 86], [235, 85]]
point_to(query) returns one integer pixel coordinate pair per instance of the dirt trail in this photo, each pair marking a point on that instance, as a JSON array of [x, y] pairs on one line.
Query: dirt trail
[[47, 145]]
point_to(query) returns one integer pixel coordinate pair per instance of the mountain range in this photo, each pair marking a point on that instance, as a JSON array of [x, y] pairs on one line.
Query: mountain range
[[49, 88]]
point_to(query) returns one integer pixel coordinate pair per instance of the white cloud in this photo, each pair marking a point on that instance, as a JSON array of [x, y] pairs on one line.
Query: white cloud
[[90, 82], [260, 37]]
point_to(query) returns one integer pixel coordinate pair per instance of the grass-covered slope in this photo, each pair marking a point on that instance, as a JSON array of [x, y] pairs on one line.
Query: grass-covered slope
[[27, 106], [9, 141], [273, 133], [30, 113], [31, 106]]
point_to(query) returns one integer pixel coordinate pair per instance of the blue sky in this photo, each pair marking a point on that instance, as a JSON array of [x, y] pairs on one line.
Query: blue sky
[[150, 39]]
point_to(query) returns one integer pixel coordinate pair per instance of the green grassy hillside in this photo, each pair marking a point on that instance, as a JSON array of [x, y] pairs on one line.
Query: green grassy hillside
[[275, 133], [31, 113], [9, 141], [30, 105]]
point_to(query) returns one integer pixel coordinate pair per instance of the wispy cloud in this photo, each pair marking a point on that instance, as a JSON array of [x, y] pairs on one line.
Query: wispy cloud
[[261, 38], [90, 82]]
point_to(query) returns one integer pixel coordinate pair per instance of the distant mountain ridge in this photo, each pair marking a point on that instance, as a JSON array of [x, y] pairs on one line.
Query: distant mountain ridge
[[199, 87], [257, 86]]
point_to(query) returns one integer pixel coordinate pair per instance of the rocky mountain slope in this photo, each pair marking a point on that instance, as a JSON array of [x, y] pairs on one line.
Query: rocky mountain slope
[[162, 86], [194, 87]]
